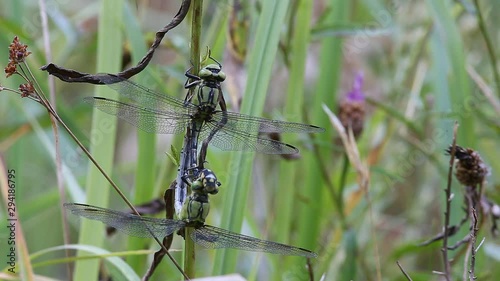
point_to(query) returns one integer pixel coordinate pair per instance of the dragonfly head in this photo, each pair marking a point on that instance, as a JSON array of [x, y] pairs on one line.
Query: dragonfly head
[[212, 72], [209, 181]]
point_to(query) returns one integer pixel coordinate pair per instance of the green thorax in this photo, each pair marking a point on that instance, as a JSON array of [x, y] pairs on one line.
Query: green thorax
[[197, 206]]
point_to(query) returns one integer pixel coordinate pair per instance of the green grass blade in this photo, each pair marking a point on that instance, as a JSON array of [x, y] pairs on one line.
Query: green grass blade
[[311, 206], [290, 177], [103, 132], [146, 142], [260, 64], [452, 75], [123, 269], [75, 190]]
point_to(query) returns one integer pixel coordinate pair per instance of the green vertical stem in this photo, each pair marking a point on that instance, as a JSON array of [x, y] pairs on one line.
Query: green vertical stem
[[196, 9], [103, 134], [260, 63], [290, 176], [311, 206], [189, 253], [342, 183]]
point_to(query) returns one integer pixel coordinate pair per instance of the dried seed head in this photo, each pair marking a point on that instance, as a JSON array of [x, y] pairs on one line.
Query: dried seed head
[[17, 51], [352, 114], [10, 69], [27, 90], [470, 168], [352, 107]]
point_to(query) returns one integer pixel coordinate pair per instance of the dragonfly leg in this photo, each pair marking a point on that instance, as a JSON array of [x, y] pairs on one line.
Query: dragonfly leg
[[186, 179], [204, 145], [189, 84], [203, 152], [216, 61], [190, 174]]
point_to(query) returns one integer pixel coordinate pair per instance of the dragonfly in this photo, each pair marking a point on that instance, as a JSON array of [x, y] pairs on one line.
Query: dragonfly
[[154, 112], [195, 211]]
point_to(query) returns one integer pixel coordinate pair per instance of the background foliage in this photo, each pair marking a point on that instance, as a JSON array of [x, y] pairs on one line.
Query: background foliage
[[418, 58]]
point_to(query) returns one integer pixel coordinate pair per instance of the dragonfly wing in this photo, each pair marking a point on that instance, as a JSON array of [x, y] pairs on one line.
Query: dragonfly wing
[[146, 119], [214, 238], [228, 139], [146, 97], [129, 224], [252, 124]]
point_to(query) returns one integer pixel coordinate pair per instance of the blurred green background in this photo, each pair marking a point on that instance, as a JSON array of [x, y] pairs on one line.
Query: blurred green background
[[422, 63]]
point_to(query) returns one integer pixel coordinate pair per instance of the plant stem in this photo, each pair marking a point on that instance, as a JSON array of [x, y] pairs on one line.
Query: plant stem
[[444, 249], [196, 9]]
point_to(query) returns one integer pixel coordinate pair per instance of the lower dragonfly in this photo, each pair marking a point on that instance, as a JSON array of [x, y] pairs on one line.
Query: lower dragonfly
[[195, 211]]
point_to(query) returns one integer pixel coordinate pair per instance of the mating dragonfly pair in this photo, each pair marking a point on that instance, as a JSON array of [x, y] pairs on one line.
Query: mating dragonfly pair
[[158, 113]]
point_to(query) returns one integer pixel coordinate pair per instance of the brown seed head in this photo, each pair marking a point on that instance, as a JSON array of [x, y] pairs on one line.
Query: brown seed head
[[352, 114], [17, 51], [27, 90], [352, 107], [470, 168], [10, 69]]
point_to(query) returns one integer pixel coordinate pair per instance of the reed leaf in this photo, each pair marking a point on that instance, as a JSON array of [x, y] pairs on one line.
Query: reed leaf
[[103, 130]]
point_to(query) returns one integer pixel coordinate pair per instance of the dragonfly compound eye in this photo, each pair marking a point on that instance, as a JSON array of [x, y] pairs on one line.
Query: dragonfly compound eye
[[209, 181], [206, 173], [205, 73], [213, 68], [212, 72], [221, 76]]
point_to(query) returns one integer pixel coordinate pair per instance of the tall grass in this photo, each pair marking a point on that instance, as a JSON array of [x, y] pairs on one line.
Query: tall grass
[[290, 173]]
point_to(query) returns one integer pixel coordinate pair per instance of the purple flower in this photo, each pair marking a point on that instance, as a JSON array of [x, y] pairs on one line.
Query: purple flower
[[352, 107], [356, 94]]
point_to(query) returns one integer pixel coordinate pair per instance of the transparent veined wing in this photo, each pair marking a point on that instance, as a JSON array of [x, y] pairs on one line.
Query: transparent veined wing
[[145, 97], [144, 118], [214, 238], [238, 132], [251, 124], [132, 225], [144, 108], [231, 140]]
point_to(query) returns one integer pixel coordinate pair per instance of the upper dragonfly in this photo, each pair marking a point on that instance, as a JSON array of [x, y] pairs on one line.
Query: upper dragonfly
[[194, 212], [159, 113]]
